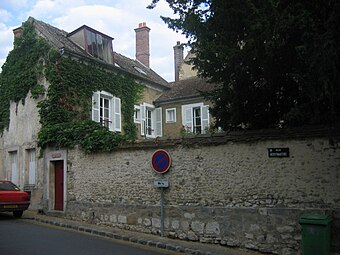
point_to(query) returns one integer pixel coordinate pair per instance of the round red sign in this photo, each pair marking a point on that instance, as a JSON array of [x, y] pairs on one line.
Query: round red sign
[[161, 161]]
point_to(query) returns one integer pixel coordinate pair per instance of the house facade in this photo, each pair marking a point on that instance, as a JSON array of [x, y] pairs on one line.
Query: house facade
[[34, 168], [161, 109]]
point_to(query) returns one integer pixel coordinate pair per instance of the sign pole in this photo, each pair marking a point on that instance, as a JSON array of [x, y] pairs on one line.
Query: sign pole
[[161, 162], [162, 212]]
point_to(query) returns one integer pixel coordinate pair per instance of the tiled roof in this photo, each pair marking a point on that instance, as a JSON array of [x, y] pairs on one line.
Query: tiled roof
[[58, 39], [185, 89]]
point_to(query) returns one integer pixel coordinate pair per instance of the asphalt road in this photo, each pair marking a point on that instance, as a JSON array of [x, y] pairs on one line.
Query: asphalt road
[[23, 237]]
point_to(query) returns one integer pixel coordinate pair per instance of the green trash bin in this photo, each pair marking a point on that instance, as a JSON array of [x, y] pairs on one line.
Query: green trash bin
[[316, 233]]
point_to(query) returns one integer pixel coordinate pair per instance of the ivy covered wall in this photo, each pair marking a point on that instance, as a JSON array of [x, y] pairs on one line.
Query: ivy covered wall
[[65, 110]]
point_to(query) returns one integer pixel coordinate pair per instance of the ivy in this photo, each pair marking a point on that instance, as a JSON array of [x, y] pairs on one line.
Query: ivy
[[65, 112], [21, 71]]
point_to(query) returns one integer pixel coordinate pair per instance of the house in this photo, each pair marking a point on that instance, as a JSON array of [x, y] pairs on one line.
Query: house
[[89, 53], [184, 107], [128, 98]]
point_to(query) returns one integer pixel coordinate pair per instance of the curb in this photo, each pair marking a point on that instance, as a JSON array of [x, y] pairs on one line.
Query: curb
[[117, 236]]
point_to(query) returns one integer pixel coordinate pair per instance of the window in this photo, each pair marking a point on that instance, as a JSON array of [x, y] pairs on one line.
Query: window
[[31, 167], [151, 120], [195, 118], [137, 114], [14, 167], [106, 109], [171, 115], [98, 46]]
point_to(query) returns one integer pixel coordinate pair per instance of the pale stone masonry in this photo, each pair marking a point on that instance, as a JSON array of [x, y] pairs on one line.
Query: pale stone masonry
[[222, 190]]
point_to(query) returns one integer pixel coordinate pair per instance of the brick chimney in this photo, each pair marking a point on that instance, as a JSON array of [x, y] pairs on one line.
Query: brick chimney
[[17, 32], [178, 57], [142, 44]]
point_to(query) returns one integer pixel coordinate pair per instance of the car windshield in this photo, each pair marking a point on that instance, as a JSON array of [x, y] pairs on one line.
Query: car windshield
[[8, 186]]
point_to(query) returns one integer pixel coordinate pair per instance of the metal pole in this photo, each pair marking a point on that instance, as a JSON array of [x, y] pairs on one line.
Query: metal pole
[[162, 212]]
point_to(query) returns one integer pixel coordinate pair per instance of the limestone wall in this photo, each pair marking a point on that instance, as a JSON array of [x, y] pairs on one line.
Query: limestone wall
[[19, 138], [224, 189]]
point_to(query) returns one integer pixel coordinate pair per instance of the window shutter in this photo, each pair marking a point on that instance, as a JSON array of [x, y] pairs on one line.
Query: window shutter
[[14, 176], [117, 117], [187, 118], [142, 119], [158, 121], [95, 106], [205, 119], [32, 168]]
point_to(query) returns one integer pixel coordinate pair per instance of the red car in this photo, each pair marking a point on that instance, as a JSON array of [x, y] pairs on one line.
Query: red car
[[12, 199]]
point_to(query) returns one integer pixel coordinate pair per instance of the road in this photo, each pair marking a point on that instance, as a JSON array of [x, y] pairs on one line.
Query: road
[[24, 237]]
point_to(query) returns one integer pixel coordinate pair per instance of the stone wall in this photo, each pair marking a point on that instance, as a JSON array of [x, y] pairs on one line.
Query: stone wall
[[224, 188], [20, 137]]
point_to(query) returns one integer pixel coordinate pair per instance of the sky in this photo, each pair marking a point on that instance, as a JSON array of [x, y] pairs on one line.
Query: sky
[[116, 18]]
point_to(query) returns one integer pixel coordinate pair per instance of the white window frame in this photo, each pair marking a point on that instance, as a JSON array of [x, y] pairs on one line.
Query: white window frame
[[156, 120], [115, 116], [187, 117], [167, 113]]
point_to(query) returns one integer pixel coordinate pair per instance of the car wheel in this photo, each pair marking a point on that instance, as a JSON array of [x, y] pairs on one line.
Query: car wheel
[[17, 214]]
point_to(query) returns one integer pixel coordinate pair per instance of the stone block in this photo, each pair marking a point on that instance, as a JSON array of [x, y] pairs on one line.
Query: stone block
[[122, 219], [113, 218], [197, 226], [132, 219], [212, 228], [147, 222], [156, 222], [189, 216], [185, 225]]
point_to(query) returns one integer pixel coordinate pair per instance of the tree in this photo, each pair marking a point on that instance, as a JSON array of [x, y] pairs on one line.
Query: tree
[[277, 62]]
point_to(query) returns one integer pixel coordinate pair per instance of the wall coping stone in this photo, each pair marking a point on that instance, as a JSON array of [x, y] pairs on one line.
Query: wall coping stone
[[244, 136]]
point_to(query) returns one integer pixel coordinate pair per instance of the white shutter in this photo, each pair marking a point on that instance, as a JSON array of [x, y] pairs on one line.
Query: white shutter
[[187, 118], [32, 167], [158, 121], [14, 169], [95, 106], [142, 119], [205, 118], [117, 117]]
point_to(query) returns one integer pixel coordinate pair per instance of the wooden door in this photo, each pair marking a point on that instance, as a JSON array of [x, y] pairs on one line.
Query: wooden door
[[59, 185]]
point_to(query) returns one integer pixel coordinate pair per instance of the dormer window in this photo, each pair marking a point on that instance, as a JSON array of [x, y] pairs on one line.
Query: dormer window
[[93, 42]]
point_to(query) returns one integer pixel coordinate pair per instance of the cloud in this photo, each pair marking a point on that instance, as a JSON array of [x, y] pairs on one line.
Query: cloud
[[6, 42], [4, 15]]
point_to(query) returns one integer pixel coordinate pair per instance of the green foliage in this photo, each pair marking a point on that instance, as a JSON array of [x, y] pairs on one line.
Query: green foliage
[[65, 112], [21, 71], [275, 60], [90, 135]]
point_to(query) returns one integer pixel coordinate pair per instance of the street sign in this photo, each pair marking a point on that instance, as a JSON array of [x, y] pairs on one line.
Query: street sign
[[278, 152], [162, 183], [161, 161]]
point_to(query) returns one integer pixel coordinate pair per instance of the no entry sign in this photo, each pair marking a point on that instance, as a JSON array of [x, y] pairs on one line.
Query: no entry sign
[[161, 161]]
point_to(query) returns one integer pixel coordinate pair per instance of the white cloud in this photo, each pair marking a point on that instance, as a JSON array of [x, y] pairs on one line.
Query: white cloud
[[6, 42], [4, 15]]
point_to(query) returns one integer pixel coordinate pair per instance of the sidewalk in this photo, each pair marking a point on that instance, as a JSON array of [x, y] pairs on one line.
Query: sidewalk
[[174, 245]]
